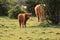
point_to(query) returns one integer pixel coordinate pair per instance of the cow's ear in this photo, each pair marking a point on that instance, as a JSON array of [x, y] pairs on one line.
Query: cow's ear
[[30, 14], [26, 15], [44, 5]]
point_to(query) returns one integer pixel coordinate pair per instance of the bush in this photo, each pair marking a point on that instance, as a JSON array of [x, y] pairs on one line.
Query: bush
[[13, 13], [4, 7]]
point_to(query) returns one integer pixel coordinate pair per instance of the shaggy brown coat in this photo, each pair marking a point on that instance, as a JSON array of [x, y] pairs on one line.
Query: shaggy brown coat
[[39, 11], [22, 18]]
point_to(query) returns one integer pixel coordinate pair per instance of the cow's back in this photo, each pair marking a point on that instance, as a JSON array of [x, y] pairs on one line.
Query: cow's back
[[21, 17], [37, 10]]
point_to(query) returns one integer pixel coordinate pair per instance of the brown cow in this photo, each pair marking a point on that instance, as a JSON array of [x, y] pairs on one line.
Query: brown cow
[[23, 19], [39, 11]]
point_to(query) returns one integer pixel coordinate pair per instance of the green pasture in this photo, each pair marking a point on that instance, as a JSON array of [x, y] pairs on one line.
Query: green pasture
[[10, 30]]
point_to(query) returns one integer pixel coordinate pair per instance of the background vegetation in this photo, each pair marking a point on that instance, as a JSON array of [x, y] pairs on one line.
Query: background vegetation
[[13, 13], [53, 8], [52, 11]]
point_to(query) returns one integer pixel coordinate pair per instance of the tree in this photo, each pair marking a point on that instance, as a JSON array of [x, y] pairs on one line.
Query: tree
[[3, 7], [53, 8], [6, 5]]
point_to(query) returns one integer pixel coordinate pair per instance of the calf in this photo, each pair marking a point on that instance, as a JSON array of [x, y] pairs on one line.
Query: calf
[[39, 11], [22, 18]]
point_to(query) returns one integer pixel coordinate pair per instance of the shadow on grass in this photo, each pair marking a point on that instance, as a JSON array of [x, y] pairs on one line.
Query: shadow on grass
[[46, 25], [8, 26]]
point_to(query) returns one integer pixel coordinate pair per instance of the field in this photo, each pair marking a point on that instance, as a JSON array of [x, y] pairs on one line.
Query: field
[[10, 30]]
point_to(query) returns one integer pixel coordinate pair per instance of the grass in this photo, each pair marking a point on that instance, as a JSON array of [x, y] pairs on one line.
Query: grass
[[10, 30]]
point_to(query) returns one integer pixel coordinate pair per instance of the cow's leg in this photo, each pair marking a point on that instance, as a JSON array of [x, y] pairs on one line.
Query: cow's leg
[[38, 19], [19, 23], [38, 15], [36, 12], [42, 16], [23, 24], [42, 19]]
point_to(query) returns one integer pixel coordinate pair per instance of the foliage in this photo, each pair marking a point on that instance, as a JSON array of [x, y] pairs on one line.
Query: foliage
[[15, 11], [53, 7], [3, 7], [6, 5]]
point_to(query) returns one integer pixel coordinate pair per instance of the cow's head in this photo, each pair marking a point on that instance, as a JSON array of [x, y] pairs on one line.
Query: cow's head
[[27, 16], [43, 5]]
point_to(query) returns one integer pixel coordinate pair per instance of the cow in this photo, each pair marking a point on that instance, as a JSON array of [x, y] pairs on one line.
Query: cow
[[39, 11], [22, 18]]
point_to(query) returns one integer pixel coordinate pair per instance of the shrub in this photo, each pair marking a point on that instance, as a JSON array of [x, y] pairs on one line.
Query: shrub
[[4, 7], [12, 13]]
